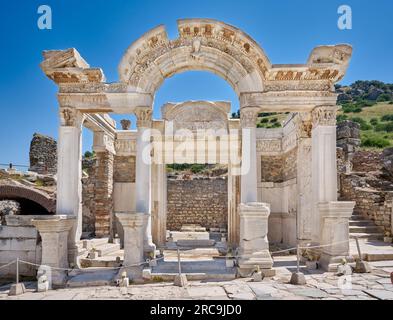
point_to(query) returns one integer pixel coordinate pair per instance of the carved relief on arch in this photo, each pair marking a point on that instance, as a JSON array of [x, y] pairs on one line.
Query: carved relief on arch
[[152, 54]]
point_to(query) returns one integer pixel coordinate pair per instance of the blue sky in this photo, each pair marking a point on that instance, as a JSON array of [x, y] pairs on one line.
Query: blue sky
[[101, 31]]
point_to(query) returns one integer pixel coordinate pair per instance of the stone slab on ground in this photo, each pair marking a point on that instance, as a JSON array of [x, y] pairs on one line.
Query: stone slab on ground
[[99, 278], [381, 294]]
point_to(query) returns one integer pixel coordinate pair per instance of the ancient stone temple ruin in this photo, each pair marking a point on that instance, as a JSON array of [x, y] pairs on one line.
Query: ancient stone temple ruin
[[282, 182]]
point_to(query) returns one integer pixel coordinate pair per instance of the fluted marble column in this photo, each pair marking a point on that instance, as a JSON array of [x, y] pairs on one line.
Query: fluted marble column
[[253, 244], [69, 174], [143, 173], [324, 163], [248, 118]]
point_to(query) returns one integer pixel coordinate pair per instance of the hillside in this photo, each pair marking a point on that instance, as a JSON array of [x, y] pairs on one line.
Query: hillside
[[370, 103]]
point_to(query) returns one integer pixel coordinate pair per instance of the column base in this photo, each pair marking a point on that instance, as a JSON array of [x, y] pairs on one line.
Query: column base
[[335, 233], [261, 260], [73, 255], [149, 251], [254, 248], [59, 279], [330, 263], [133, 273]]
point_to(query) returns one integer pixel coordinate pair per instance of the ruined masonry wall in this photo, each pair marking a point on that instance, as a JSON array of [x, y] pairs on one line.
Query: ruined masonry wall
[[199, 201]]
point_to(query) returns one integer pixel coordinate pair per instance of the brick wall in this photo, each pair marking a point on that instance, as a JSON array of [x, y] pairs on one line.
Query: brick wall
[[201, 201]]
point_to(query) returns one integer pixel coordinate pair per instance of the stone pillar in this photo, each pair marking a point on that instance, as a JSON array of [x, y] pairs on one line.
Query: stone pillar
[[159, 204], [143, 173], [133, 226], [69, 174], [335, 225], [303, 177], [324, 164], [103, 199], [54, 233], [248, 118], [254, 246]]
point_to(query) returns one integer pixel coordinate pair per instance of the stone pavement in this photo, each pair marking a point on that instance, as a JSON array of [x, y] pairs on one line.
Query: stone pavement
[[320, 286]]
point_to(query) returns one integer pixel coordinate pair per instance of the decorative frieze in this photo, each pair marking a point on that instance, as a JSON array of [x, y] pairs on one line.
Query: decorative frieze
[[271, 145], [125, 146]]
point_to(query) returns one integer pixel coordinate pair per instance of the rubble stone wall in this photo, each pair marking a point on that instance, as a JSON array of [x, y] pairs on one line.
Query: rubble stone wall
[[279, 168], [88, 194], [199, 201], [366, 161], [374, 204], [43, 154]]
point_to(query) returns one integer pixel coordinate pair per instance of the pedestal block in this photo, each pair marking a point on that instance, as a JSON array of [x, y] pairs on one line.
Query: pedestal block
[[133, 226], [54, 234], [254, 246], [335, 230]]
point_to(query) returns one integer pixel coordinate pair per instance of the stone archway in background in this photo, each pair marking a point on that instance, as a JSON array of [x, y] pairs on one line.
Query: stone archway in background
[[29, 197], [181, 119]]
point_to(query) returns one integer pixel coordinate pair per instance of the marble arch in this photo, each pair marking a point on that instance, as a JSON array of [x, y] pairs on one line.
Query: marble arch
[[203, 44], [307, 195]]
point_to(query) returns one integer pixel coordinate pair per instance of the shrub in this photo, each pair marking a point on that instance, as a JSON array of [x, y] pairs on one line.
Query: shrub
[[264, 114], [196, 168], [375, 141], [388, 127], [341, 118], [273, 120], [264, 120], [89, 154], [384, 97], [363, 123], [275, 125], [350, 107], [374, 121], [365, 103], [387, 117]]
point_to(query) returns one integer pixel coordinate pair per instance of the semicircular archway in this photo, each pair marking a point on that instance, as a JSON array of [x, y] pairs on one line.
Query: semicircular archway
[[203, 44], [31, 198]]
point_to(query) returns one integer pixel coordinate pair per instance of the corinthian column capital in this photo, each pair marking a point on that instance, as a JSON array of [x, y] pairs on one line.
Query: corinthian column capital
[[71, 117], [248, 117], [144, 117], [324, 116]]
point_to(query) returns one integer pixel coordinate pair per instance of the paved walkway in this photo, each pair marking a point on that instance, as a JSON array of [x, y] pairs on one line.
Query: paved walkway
[[320, 286]]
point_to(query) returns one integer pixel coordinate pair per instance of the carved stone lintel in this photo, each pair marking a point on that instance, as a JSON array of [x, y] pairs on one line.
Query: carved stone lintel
[[70, 117], [324, 116], [248, 117], [144, 116]]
